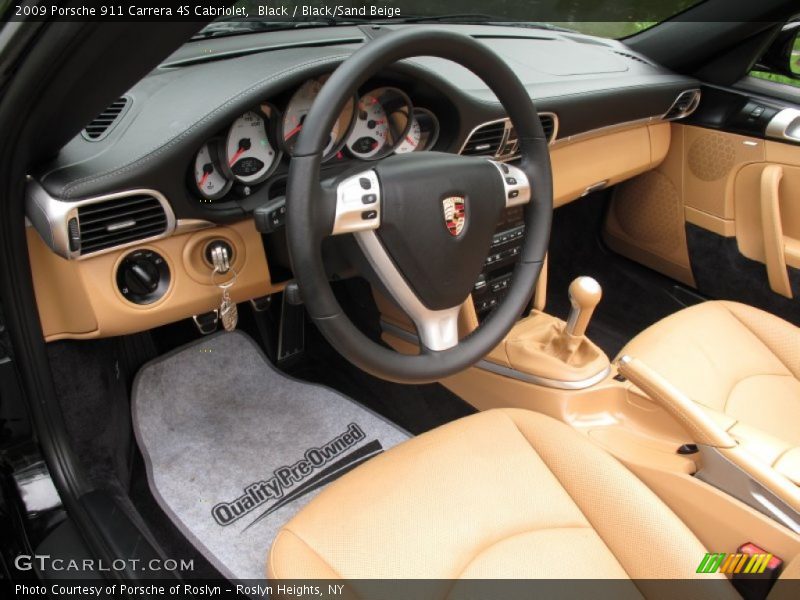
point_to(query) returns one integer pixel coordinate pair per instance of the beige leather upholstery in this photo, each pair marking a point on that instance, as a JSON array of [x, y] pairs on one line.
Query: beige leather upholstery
[[503, 494], [742, 365]]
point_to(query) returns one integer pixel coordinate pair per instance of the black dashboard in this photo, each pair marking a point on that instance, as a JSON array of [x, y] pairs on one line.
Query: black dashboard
[[195, 96], [202, 146]]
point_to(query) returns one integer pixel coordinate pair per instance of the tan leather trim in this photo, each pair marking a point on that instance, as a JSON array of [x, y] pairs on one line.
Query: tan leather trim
[[713, 223], [702, 428], [644, 437], [645, 221], [612, 158], [455, 524], [773, 230], [780, 194], [97, 309]]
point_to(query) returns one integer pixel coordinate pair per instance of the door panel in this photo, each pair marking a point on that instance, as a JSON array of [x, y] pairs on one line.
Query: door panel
[[721, 213]]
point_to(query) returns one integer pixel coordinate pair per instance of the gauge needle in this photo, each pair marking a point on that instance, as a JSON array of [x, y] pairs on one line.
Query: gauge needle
[[409, 140], [236, 156], [293, 132], [203, 179]]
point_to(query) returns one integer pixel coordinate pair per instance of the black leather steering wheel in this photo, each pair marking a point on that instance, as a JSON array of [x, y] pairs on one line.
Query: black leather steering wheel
[[424, 221]]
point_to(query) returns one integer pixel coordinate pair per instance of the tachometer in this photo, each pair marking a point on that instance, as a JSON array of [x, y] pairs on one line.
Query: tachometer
[[382, 120], [249, 153], [211, 182], [295, 115], [423, 133]]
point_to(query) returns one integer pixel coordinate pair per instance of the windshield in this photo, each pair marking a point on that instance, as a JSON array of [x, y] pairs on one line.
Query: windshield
[[609, 18]]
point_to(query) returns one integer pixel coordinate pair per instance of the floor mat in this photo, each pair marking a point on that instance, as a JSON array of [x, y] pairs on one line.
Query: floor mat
[[234, 448]]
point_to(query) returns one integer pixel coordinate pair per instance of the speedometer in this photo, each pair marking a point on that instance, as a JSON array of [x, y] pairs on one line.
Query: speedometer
[[423, 133], [295, 115], [382, 120], [249, 153]]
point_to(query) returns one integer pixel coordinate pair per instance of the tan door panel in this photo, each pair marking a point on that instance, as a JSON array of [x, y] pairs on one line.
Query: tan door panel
[[749, 224], [696, 184]]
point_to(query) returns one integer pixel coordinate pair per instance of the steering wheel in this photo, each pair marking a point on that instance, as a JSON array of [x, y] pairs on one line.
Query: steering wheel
[[424, 220]]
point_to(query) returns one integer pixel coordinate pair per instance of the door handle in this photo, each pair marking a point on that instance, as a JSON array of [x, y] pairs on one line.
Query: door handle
[[772, 230]]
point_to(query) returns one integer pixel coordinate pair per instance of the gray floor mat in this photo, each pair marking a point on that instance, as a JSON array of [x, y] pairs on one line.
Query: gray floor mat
[[233, 448]]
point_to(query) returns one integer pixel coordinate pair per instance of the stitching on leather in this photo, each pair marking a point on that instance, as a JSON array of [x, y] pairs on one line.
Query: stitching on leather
[[162, 146], [760, 339], [288, 531], [588, 520], [517, 534]]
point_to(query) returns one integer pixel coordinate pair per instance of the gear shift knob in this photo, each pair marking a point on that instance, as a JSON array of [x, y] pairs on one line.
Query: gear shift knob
[[584, 295]]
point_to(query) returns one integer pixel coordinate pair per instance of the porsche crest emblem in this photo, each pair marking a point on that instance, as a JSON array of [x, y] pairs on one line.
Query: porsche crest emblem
[[455, 214]]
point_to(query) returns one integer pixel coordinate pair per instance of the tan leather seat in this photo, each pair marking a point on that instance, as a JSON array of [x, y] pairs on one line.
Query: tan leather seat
[[500, 494], [742, 365]]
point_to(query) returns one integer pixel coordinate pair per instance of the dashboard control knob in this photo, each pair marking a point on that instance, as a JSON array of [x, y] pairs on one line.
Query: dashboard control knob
[[143, 276]]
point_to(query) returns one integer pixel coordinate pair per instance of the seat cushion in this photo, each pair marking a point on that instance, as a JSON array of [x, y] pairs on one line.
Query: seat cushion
[[739, 362], [488, 496]]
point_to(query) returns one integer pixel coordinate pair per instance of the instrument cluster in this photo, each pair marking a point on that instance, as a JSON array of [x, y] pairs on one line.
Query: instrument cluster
[[379, 122]]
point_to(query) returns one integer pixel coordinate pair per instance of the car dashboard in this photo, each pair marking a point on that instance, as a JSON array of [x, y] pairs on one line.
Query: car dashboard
[[198, 153]]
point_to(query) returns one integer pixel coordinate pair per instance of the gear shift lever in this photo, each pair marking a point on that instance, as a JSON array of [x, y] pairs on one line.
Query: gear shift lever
[[584, 295]]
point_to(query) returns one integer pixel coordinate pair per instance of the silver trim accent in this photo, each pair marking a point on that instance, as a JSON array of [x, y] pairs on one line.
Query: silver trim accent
[[350, 207], [438, 329], [522, 187], [506, 134], [57, 214], [485, 365], [557, 384], [727, 476], [785, 125], [693, 104]]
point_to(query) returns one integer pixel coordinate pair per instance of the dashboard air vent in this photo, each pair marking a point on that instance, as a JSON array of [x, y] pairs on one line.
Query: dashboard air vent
[[110, 223], [485, 140], [549, 126], [498, 139], [684, 105], [633, 57], [102, 123]]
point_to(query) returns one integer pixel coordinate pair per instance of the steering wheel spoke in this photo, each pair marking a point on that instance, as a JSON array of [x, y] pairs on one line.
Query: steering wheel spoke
[[437, 329], [358, 203], [516, 184]]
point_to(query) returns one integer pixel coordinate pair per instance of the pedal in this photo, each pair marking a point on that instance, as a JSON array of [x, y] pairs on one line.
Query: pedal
[[291, 335], [261, 304], [207, 322]]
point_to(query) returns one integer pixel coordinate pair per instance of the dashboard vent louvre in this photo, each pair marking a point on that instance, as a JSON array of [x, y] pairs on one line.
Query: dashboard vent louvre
[[549, 126], [684, 105], [498, 139], [120, 221], [485, 140], [102, 123], [633, 57]]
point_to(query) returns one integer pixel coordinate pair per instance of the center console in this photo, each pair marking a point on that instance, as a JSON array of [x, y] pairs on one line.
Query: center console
[[495, 279]]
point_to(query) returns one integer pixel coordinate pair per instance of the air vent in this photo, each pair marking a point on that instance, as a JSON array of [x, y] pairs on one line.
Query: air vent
[[633, 57], [684, 105], [120, 221], [498, 139], [102, 124], [549, 125], [485, 140]]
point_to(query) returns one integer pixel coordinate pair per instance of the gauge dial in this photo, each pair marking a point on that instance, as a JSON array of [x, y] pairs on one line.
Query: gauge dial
[[423, 133], [211, 182], [382, 120], [249, 153], [295, 115]]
